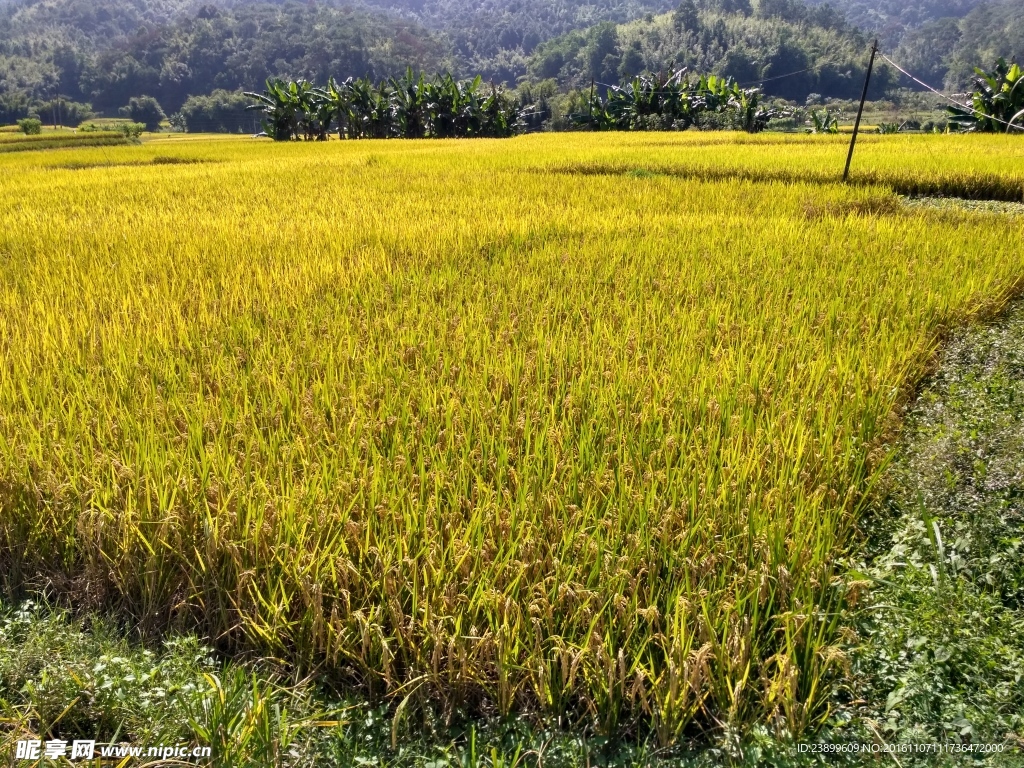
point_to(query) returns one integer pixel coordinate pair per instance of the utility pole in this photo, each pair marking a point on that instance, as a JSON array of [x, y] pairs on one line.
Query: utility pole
[[591, 104], [860, 111]]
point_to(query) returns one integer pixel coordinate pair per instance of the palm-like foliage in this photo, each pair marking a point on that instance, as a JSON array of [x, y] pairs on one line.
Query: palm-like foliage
[[409, 98], [285, 107], [673, 102], [331, 105], [408, 107], [824, 122], [752, 115], [997, 103]]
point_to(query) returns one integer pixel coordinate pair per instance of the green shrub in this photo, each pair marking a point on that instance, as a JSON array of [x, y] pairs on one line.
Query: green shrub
[[942, 630], [132, 130], [31, 126], [128, 130], [145, 110], [783, 124]]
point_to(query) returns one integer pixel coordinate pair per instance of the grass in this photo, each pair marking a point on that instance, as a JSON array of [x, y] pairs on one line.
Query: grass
[[61, 678], [941, 643], [987, 206], [467, 432]]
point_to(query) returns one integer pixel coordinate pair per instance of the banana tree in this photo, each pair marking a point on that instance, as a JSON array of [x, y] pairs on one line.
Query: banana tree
[[591, 114], [630, 104], [997, 103], [281, 105], [307, 125], [410, 105], [370, 113], [824, 122], [752, 117], [443, 106], [332, 107], [501, 117], [675, 102]]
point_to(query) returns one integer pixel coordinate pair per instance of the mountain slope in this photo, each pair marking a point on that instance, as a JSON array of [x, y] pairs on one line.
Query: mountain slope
[[891, 20], [494, 37], [487, 26], [945, 52], [793, 51], [106, 52]]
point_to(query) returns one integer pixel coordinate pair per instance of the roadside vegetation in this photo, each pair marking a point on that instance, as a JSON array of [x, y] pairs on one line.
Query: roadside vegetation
[[941, 648]]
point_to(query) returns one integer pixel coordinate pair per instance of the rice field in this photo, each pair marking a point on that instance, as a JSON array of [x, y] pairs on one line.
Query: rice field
[[19, 142], [577, 424]]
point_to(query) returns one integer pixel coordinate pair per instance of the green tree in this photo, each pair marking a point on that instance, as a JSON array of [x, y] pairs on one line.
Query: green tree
[[632, 61], [926, 51], [145, 110], [603, 53], [69, 113], [221, 112], [788, 10], [282, 105], [686, 17], [742, 7]]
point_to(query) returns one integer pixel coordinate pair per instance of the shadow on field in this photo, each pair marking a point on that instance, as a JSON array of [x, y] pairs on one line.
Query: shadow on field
[[165, 160], [967, 186]]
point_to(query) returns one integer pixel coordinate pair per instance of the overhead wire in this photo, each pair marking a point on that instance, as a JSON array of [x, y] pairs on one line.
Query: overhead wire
[[747, 82], [947, 98]]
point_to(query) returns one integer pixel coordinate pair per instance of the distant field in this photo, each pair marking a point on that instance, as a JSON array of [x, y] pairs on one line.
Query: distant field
[[49, 139], [577, 423]]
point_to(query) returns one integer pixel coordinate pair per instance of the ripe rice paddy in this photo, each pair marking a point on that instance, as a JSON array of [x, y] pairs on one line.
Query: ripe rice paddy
[[17, 142], [572, 423]]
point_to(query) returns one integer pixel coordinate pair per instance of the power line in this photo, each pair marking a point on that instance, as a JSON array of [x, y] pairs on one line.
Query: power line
[[745, 83], [781, 77]]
